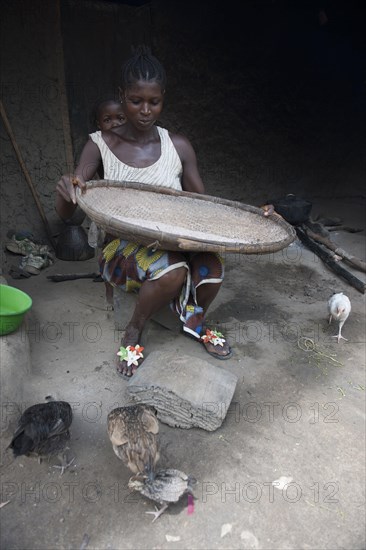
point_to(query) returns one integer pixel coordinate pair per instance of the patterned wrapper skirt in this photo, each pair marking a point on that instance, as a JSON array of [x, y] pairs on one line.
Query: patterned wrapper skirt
[[127, 265]]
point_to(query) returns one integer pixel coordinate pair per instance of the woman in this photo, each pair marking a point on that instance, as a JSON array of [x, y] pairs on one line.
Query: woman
[[140, 151]]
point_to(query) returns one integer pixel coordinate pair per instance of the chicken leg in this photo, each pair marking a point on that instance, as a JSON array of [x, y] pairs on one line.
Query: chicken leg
[[64, 463], [157, 513], [339, 335]]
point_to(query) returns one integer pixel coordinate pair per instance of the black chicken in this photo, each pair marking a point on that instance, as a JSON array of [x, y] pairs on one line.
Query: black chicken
[[43, 431], [133, 433], [167, 486]]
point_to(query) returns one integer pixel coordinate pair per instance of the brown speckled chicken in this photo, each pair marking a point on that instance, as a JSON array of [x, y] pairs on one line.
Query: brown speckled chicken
[[133, 432], [167, 486], [43, 431]]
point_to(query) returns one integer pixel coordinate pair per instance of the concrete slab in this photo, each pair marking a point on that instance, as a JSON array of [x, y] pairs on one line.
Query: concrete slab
[[285, 470], [15, 368]]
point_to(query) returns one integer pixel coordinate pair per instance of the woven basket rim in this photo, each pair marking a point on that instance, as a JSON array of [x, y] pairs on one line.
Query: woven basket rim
[[171, 241]]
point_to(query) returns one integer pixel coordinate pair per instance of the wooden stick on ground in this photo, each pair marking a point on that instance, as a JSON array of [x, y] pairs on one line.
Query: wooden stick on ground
[[328, 259], [345, 228], [352, 260], [59, 277], [25, 172]]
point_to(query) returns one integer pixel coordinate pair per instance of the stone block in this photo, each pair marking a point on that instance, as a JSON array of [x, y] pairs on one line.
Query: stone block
[[187, 392], [124, 304]]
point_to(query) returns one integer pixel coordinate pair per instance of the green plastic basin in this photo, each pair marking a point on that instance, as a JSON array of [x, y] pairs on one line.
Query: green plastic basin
[[14, 303]]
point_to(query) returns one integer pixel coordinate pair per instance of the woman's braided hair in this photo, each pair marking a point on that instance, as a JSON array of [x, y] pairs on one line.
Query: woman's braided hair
[[142, 65]]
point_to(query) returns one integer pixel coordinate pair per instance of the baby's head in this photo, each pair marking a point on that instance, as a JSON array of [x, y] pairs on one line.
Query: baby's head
[[109, 114]]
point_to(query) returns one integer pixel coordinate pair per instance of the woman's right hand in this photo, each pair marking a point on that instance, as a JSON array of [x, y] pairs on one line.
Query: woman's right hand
[[66, 187]]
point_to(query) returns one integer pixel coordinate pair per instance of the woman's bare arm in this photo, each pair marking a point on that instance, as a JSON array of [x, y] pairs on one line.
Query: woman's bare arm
[[88, 165], [191, 179]]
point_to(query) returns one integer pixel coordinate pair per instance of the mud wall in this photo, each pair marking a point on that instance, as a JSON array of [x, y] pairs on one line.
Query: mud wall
[[272, 99]]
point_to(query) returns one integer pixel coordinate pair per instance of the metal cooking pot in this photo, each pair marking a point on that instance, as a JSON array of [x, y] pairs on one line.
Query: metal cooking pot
[[72, 244], [294, 210]]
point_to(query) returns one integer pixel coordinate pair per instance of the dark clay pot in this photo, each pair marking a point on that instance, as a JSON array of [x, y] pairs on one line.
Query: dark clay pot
[[72, 244], [294, 210]]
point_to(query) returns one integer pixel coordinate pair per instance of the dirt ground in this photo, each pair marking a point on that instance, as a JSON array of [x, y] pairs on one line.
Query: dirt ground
[[286, 469], [273, 104]]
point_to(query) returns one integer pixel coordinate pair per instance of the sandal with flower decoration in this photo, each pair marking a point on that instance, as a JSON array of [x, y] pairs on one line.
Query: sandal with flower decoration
[[132, 356], [217, 340]]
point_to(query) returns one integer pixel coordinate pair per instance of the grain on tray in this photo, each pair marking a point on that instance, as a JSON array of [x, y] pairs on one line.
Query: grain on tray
[[176, 216]]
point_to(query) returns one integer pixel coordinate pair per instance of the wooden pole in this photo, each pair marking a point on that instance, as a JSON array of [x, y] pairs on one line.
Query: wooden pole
[[63, 91], [25, 172], [352, 260], [326, 256]]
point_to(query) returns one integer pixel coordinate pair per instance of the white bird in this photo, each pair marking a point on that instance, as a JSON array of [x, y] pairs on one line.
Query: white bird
[[339, 307]]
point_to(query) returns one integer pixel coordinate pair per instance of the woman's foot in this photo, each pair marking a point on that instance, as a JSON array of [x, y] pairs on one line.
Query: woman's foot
[[130, 354], [216, 345]]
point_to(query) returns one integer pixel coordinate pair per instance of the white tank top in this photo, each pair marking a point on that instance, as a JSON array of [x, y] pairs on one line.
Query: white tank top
[[165, 172]]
